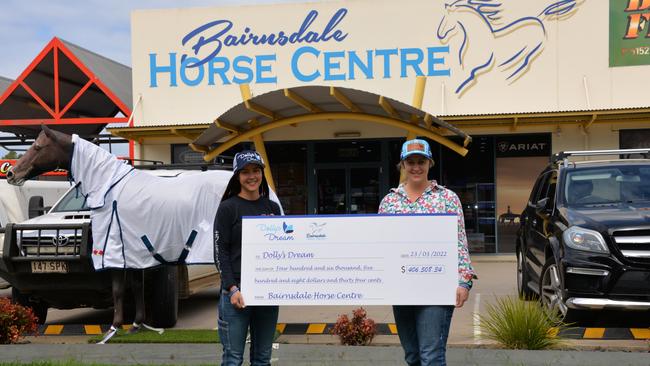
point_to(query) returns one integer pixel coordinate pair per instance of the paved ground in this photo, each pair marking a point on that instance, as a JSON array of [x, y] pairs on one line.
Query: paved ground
[[297, 355], [467, 347]]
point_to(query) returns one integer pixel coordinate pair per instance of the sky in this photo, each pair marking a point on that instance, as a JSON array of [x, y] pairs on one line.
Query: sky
[[101, 26]]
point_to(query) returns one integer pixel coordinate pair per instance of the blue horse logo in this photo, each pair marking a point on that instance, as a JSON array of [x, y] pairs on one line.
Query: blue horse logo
[[288, 229], [511, 46]]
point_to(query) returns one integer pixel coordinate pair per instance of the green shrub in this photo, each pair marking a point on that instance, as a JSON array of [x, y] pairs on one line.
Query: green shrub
[[15, 321], [518, 324], [356, 332]]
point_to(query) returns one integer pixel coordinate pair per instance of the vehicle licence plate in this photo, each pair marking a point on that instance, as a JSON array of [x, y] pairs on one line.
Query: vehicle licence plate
[[49, 267]]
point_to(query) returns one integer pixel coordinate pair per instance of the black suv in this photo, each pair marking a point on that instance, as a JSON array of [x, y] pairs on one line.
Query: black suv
[[584, 238]]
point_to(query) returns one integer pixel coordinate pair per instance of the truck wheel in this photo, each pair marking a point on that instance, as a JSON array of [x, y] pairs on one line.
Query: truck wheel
[[162, 302], [523, 278], [39, 308]]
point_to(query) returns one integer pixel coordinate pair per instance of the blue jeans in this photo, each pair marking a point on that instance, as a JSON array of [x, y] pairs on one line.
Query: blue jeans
[[423, 332], [233, 327]]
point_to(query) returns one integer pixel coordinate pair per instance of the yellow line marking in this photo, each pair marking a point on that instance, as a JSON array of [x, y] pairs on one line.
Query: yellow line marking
[[53, 330], [280, 327], [640, 333], [316, 328], [594, 333], [392, 328], [92, 329]]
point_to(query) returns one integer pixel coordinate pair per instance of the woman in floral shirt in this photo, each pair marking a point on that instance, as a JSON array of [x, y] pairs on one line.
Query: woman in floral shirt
[[423, 330]]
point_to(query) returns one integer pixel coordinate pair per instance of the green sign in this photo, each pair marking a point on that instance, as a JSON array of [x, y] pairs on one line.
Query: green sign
[[629, 32]]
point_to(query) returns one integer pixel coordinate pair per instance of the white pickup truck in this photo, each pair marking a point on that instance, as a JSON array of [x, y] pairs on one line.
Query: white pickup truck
[[32, 199], [48, 263]]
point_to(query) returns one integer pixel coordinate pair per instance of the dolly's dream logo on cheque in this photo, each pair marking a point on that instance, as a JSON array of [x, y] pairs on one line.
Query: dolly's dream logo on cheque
[[274, 232]]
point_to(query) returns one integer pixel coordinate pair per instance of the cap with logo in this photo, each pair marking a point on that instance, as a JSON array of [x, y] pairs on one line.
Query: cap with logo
[[244, 158], [415, 147]]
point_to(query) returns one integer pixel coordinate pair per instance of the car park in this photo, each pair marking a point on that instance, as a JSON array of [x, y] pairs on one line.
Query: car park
[[583, 244]]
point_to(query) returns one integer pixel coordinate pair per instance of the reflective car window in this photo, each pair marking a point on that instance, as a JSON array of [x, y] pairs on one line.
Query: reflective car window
[[72, 201], [608, 185], [550, 193], [543, 188]]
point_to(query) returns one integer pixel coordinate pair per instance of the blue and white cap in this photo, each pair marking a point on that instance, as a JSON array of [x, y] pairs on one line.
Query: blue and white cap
[[246, 157], [415, 146]]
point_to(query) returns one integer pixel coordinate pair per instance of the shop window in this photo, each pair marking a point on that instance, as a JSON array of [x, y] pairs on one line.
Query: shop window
[[519, 160], [472, 178], [289, 167], [634, 139]]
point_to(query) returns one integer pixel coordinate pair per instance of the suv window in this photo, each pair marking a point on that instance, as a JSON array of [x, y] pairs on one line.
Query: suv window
[[72, 201], [607, 185], [546, 187], [533, 192]]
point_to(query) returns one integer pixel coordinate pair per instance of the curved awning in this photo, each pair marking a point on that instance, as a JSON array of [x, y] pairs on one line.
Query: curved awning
[[292, 106]]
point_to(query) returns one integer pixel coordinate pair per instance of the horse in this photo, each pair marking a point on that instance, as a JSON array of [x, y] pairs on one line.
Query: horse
[[511, 47], [138, 220]]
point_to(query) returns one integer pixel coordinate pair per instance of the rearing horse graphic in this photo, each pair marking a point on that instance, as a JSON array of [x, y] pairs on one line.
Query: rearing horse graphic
[[513, 46]]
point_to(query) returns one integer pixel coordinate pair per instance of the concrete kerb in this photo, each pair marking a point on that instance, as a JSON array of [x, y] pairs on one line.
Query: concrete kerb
[[300, 354]]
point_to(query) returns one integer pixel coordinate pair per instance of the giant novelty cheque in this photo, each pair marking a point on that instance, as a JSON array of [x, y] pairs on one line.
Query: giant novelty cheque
[[350, 260]]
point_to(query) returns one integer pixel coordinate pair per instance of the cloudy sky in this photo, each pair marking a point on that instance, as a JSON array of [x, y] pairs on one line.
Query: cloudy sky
[[99, 25]]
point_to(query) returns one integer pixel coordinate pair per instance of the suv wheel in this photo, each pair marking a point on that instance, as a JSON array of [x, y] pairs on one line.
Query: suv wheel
[[551, 292], [522, 279]]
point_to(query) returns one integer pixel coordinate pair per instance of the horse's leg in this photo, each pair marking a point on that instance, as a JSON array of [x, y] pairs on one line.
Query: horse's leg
[[119, 288], [137, 279]]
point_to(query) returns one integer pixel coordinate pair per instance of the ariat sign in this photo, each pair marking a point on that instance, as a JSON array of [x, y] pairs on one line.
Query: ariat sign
[[479, 56], [524, 145], [506, 146]]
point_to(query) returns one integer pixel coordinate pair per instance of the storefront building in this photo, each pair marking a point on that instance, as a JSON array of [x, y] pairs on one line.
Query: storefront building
[[326, 89]]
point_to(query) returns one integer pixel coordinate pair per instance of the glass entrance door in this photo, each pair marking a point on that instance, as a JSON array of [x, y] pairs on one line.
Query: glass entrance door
[[364, 190], [347, 190], [331, 186]]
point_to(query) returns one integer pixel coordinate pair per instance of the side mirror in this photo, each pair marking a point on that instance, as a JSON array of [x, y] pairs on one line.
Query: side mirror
[[541, 206], [35, 206]]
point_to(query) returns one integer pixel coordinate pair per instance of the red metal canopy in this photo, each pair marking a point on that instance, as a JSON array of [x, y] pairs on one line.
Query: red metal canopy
[[68, 88]]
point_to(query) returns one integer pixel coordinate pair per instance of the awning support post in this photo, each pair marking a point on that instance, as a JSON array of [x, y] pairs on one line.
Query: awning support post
[[418, 97], [257, 139]]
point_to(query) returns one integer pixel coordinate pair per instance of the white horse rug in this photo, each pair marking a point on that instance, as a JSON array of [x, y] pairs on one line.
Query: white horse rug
[[140, 220]]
